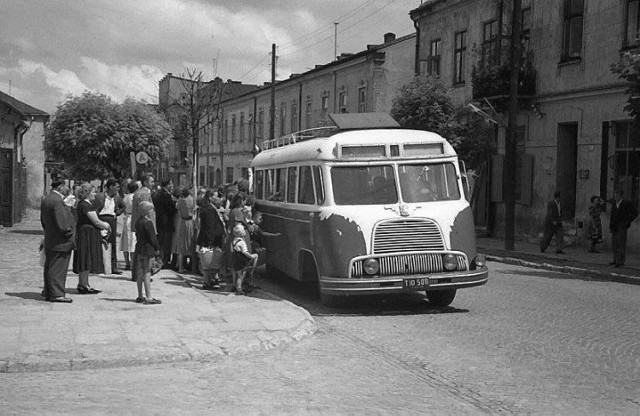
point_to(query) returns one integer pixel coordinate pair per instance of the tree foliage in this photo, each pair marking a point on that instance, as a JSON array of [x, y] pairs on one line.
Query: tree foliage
[[425, 104], [628, 68], [93, 135]]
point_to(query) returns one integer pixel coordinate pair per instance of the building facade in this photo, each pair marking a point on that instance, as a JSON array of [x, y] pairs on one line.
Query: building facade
[[354, 83], [573, 132], [22, 160]]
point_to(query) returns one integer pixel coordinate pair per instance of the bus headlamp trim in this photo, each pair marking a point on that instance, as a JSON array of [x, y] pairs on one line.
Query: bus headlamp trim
[[449, 262], [371, 266]]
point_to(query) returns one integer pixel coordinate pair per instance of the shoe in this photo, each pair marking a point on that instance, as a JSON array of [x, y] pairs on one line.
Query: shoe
[[84, 290], [118, 272], [141, 300], [61, 299], [127, 267], [207, 287], [152, 301], [240, 293], [182, 271], [559, 252], [44, 294]]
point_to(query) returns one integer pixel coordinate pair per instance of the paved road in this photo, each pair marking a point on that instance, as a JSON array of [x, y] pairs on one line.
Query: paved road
[[528, 342]]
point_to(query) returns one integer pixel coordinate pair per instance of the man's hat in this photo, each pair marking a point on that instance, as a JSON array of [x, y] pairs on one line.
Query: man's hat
[[57, 181]]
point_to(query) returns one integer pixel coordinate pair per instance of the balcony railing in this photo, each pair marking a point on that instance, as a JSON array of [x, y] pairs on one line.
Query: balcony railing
[[493, 81]]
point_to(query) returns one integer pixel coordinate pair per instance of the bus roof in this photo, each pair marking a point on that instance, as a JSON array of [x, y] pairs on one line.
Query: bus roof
[[359, 145]]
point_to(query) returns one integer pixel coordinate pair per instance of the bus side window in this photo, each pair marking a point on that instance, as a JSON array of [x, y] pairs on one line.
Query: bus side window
[[259, 181], [319, 183], [292, 184], [305, 186], [281, 185], [270, 185]]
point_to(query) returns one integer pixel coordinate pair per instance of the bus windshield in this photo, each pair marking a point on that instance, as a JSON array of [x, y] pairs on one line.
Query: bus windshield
[[428, 182], [364, 185]]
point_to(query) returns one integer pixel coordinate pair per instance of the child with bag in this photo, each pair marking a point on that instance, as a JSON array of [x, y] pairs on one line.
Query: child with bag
[[243, 260], [147, 247]]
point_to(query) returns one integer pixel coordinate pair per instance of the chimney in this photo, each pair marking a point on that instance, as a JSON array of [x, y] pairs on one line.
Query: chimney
[[389, 37]]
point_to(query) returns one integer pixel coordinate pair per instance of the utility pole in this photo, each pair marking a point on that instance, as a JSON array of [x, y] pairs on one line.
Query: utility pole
[[509, 176], [335, 41], [272, 109]]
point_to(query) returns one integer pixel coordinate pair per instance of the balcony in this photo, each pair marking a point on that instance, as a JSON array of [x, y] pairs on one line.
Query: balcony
[[492, 82]]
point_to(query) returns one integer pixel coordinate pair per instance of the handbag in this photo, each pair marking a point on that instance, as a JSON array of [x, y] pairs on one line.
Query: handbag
[[210, 258], [156, 265]]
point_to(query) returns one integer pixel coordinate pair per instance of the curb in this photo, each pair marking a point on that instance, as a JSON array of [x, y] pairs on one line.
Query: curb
[[575, 272], [203, 351]]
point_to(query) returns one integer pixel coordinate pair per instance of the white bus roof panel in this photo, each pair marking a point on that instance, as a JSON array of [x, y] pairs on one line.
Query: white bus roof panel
[[326, 148]]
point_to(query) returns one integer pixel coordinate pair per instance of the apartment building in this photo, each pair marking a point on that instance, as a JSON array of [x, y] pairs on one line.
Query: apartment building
[[573, 132]]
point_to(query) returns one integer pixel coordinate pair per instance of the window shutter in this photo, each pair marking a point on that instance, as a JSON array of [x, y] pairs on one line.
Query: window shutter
[[526, 183], [496, 177]]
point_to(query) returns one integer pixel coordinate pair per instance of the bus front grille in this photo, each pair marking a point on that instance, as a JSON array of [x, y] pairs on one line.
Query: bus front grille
[[407, 235], [405, 264]]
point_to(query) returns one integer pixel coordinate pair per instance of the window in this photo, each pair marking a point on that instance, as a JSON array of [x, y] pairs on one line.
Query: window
[[572, 30], [242, 126], [283, 119], [342, 102], [364, 185], [459, 57], [233, 127], [362, 100], [251, 127], [294, 117], [269, 184], [307, 115], [292, 184], [201, 174], [319, 184], [259, 183], [305, 186], [525, 33], [433, 64], [491, 43], [632, 28], [626, 162], [280, 185], [260, 127], [428, 182], [325, 102], [229, 175]]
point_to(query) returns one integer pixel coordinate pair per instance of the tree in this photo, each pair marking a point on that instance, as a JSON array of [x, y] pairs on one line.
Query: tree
[[424, 104], [93, 135], [628, 68]]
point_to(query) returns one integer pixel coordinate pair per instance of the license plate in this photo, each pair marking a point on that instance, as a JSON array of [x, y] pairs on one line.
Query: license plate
[[416, 284]]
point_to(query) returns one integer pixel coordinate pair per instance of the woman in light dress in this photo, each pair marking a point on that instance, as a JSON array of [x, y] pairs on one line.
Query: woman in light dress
[[128, 235], [184, 234]]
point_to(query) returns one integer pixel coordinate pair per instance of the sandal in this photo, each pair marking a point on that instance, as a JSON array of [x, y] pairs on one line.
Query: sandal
[[141, 300], [152, 301]]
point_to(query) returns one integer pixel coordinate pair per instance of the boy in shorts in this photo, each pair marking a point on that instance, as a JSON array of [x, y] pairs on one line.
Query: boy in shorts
[[243, 260]]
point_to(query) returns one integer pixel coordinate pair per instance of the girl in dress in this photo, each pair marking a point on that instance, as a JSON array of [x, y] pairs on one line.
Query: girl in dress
[[128, 237]]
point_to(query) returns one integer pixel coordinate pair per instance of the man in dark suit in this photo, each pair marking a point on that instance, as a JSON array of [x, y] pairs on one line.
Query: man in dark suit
[[553, 224], [59, 240], [109, 206], [622, 214], [165, 207]]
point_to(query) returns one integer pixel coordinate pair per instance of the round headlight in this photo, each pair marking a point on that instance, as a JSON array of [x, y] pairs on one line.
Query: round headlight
[[480, 261], [371, 266], [450, 262]]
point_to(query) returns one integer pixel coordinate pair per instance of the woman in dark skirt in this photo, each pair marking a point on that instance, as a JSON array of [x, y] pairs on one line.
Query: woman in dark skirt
[[88, 255]]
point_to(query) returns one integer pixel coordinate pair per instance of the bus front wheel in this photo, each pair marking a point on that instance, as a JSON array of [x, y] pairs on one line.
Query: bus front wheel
[[441, 297]]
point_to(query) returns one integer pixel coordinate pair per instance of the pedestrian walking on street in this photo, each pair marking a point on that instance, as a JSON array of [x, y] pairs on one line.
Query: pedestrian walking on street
[[165, 207], [147, 248], [553, 224], [59, 240], [595, 222], [128, 238], [90, 230], [622, 215], [109, 207]]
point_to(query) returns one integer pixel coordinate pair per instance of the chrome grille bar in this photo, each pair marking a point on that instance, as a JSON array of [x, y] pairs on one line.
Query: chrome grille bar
[[404, 264], [402, 235]]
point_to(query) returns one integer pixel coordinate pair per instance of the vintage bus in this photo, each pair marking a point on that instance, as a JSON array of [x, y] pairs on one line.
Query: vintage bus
[[364, 207]]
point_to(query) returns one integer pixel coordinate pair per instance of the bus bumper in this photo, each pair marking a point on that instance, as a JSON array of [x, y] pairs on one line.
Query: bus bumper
[[399, 284]]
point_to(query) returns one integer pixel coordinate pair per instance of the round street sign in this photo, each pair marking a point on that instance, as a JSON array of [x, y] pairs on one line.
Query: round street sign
[[142, 157]]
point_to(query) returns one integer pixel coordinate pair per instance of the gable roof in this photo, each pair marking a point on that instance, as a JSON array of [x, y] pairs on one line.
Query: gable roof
[[20, 107]]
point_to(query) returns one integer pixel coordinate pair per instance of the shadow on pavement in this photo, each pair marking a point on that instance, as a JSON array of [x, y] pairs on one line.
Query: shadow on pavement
[[128, 300], [27, 295], [28, 232]]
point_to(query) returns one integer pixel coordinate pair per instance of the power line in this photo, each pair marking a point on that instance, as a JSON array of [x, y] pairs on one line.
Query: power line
[[258, 64]]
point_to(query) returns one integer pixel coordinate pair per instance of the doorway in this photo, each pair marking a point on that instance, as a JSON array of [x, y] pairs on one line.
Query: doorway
[[6, 187], [567, 158]]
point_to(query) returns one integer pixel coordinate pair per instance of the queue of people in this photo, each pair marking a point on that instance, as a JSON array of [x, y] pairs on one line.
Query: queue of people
[[213, 234]]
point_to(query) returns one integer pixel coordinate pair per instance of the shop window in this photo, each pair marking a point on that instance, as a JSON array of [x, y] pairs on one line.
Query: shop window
[[626, 162]]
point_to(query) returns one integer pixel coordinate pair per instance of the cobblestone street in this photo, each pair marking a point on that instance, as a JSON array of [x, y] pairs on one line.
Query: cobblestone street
[[529, 342]]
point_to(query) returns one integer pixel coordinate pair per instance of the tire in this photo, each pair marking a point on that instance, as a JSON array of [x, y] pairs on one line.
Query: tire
[[441, 297]]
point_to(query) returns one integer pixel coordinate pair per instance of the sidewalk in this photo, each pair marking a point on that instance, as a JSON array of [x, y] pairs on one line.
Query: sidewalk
[[111, 330], [576, 261]]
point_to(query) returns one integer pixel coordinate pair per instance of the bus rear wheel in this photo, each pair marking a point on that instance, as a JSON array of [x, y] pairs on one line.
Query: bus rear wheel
[[441, 297]]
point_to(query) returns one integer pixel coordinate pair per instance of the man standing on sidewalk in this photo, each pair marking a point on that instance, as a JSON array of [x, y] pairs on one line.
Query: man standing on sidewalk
[[59, 240], [165, 207], [553, 224], [622, 214], [109, 205]]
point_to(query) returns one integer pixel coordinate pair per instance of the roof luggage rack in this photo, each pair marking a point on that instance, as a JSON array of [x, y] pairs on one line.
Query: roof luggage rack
[[343, 122]]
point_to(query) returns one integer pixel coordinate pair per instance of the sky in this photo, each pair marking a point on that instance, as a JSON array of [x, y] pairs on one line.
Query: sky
[[53, 49]]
